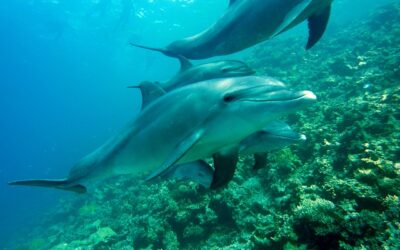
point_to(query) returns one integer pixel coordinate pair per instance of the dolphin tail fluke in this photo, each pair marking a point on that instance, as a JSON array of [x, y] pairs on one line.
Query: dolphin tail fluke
[[164, 51], [58, 184], [317, 25]]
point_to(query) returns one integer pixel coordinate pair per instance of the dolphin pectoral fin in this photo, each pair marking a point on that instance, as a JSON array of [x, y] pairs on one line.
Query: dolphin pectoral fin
[[317, 25], [63, 184], [185, 63], [150, 91], [260, 160], [179, 152], [225, 166]]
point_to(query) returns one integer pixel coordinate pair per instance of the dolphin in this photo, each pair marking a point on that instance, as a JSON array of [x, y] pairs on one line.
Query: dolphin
[[189, 74], [209, 119], [199, 172], [248, 22], [274, 136]]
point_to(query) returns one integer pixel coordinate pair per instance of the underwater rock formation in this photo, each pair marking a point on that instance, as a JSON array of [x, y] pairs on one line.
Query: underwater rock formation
[[338, 190]]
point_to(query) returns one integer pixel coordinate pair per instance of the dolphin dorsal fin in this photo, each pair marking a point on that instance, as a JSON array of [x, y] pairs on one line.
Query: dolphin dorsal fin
[[317, 25], [150, 91], [185, 63]]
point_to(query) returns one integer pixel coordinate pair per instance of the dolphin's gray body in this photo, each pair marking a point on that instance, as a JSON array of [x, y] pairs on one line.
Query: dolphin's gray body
[[248, 22], [210, 119]]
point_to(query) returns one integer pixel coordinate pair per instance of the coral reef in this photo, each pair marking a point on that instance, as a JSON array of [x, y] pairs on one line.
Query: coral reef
[[340, 189]]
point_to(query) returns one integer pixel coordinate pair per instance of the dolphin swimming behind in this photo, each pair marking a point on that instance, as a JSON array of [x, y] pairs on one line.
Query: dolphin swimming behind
[[248, 22], [189, 74], [185, 125], [274, 136]]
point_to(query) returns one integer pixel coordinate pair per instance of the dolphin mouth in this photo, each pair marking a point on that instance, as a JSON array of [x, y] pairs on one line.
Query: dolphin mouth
[[242, 71], [249, 71], [294, 138], [282, 96], [246, 70]]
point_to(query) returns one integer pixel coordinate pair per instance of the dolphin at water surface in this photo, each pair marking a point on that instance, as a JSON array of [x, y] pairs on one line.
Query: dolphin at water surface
[[185, 125], [248, 22]]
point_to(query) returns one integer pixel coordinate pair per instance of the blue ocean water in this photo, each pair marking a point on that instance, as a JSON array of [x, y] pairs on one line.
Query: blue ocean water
[[64, 68]]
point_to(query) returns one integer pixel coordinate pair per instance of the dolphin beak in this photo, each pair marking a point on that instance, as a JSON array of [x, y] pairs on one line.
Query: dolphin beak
[[280, 96], [309, 95]]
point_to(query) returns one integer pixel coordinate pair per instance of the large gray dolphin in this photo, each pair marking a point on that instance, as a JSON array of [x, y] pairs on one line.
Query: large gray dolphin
[[207, 120], [248, 22], [275, 135]]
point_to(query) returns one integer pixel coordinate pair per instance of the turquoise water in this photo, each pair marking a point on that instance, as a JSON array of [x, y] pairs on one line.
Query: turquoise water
[[65, 66]]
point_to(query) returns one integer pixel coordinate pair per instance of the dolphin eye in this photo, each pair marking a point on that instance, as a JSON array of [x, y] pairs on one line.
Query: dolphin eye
[[229, 98], [225, 70]]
